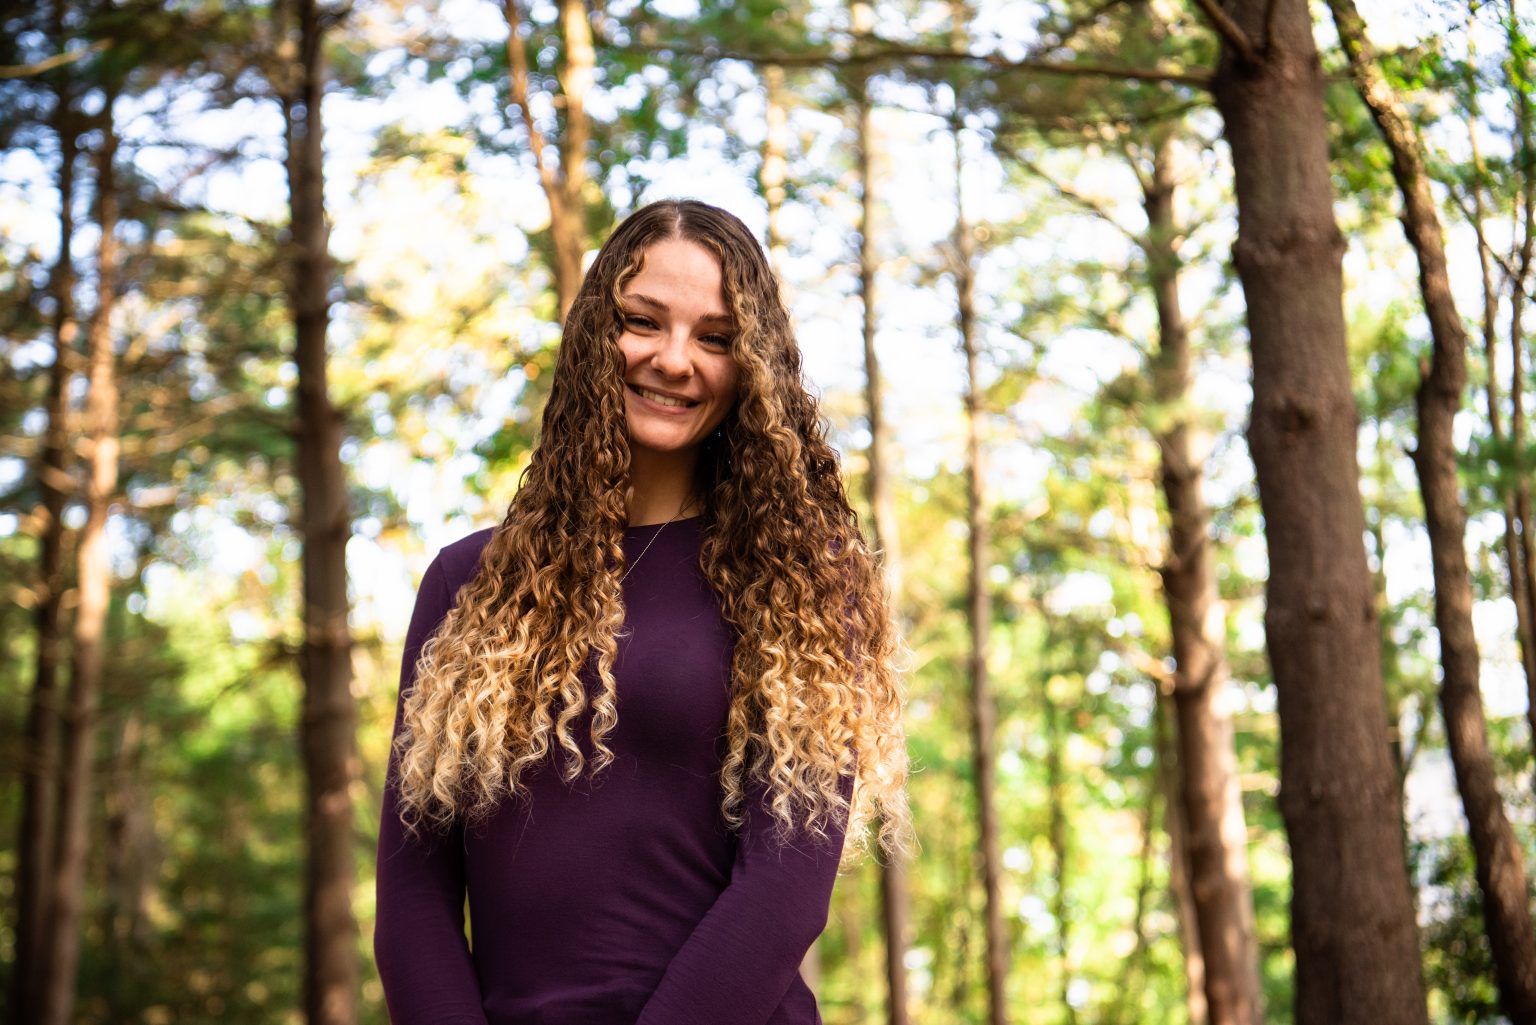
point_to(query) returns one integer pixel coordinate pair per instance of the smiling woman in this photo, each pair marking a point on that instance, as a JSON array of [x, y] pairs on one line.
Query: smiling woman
[[681, 545], [679, 374]]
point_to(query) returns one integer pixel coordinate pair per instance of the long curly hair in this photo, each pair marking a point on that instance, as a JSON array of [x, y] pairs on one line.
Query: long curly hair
[[816, 693]]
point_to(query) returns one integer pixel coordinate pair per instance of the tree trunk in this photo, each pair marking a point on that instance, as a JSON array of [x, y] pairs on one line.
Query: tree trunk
[[895, 912], [979, 609], [1519, 592], [1133, 976], [1520, 100], [130, 849], [1525, 630], [775, 166], [1352, 919], [1056, 834], [894, 897], [1178, 866], [95, 582], [130, 872], [577, 75], [770, 181], [40, 765], [882, 502], [1210, 795], [329, 726], [565, 186], [1500, 864], [1393, 680], [979, 604]]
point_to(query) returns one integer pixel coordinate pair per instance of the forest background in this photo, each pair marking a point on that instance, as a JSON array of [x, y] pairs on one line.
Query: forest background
[[1214, 560]]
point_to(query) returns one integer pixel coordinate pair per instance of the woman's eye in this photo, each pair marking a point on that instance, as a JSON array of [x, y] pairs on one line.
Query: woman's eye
[[640, 323], [718, 341]]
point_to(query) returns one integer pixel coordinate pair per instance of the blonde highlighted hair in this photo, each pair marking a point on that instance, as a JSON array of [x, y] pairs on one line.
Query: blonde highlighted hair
[[816, 694]]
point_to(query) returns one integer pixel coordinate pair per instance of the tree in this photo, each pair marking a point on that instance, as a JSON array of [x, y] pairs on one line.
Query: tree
[[77, 767], [894, 898], [773, 170], [1352, 919], [37, 833], [1500, 863], [329, 725], [1513, 495], [1211, 812], [1205, 818], [979, 604], [565, 185]]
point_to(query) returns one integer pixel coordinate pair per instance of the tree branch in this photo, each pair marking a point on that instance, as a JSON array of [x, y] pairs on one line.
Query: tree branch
[[49, 63], [1269, 25], [1076, 25], [1229, 30], [517, 57], [1470, 215], [896, 52], [1082, 201]]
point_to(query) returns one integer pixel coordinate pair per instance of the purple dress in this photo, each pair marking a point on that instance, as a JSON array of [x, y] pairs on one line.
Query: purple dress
[[619, 901]]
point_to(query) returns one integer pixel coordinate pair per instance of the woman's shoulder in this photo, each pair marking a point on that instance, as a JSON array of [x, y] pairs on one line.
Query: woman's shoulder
[[457, 561]]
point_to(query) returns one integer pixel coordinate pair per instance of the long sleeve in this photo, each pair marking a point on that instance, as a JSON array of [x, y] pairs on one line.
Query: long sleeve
[[418, 941], [741, 959]]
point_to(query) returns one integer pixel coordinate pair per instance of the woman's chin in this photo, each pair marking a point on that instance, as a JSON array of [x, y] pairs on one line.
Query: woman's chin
[[664, 447]]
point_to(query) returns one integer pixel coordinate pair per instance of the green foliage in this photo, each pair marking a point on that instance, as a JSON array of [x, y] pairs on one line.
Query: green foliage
[[442, 356], [1458, 964]]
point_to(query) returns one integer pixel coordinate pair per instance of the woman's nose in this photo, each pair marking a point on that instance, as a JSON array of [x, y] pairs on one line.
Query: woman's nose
[[671, 357]]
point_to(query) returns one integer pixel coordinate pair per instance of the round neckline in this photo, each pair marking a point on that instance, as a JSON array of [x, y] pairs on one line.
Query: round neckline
[[657, 526]]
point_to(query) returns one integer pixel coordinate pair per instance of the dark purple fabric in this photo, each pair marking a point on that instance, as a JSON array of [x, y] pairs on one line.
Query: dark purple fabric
[[622, 899]]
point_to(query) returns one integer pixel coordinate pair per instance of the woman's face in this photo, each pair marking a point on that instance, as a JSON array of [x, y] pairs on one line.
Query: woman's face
[[679, 377]]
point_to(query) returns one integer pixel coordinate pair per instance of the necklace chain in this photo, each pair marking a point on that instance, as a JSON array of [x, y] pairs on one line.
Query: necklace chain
[[631, 567]]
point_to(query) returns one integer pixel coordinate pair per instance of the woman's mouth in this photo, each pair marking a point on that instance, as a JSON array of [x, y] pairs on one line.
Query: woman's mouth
[[660, 399]]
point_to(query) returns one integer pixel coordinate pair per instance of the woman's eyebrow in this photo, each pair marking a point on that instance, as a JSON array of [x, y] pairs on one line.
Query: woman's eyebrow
[[657, 304]]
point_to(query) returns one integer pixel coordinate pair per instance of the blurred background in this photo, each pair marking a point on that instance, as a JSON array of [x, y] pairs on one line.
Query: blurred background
[[280, 287]]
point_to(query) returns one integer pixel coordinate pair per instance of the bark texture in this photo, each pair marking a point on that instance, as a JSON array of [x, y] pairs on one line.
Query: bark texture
[[1500, 864], [1210, 796], [329, 724], [40, 764], [1352, 917], [77, 782]]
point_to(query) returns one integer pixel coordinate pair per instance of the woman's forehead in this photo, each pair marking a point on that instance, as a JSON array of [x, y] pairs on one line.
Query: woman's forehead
[[677, 275]]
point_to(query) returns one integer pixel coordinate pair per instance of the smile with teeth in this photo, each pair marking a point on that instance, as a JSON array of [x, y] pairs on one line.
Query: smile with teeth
[[660, 399]]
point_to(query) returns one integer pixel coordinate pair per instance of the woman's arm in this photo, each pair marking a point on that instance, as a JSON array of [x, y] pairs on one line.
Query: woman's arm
[[741, 958], [418, 939]]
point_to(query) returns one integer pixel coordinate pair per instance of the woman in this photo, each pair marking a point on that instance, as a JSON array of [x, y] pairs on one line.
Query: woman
[[638, 719]]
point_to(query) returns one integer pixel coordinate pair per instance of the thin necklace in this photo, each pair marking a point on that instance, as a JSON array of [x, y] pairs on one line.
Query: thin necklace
[[631, 568]]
